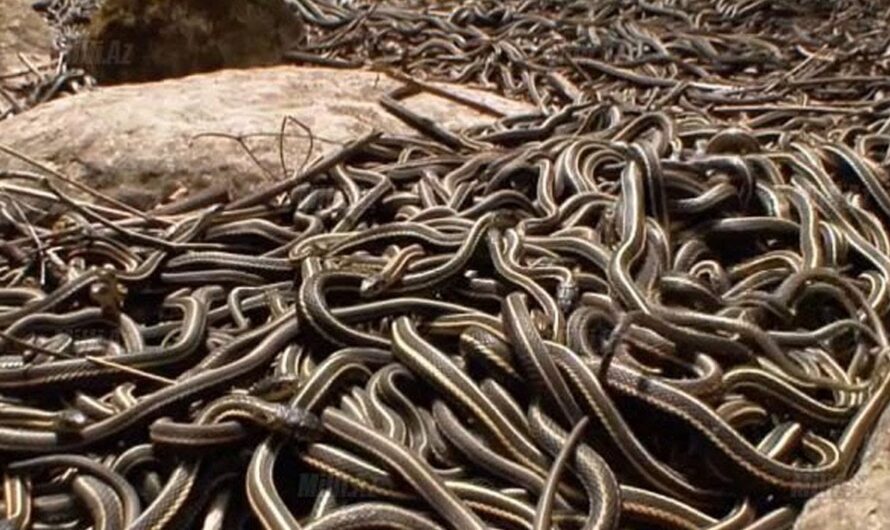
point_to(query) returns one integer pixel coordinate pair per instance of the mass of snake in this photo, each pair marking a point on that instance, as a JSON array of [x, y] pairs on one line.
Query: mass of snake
[[658, 300]]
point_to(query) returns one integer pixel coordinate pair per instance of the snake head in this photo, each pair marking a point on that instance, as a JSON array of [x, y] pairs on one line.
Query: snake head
[[301, 252], [63, 223], [298, 422], [372, 286], [13, 254], [299, 192], [733, 140], [504, 219], [70, 421], [566, 294], [275, 388], [108, 293]]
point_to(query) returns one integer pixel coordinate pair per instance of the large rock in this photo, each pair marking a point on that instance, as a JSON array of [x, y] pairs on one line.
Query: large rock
[[149, 40], [147, 136], [23, 31], [862, 503]]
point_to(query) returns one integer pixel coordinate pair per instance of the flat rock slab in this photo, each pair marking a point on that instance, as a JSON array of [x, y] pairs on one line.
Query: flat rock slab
[[862, 503], [153, 137]]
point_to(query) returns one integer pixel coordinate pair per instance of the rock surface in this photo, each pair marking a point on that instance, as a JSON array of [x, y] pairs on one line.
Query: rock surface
[[862, 503], [148, 136], [21, 30], [150, 40]]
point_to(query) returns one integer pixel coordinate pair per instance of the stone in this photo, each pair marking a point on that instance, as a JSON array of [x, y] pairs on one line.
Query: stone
[[22, 30], [159, 137], [150, 40], [863, 502]]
